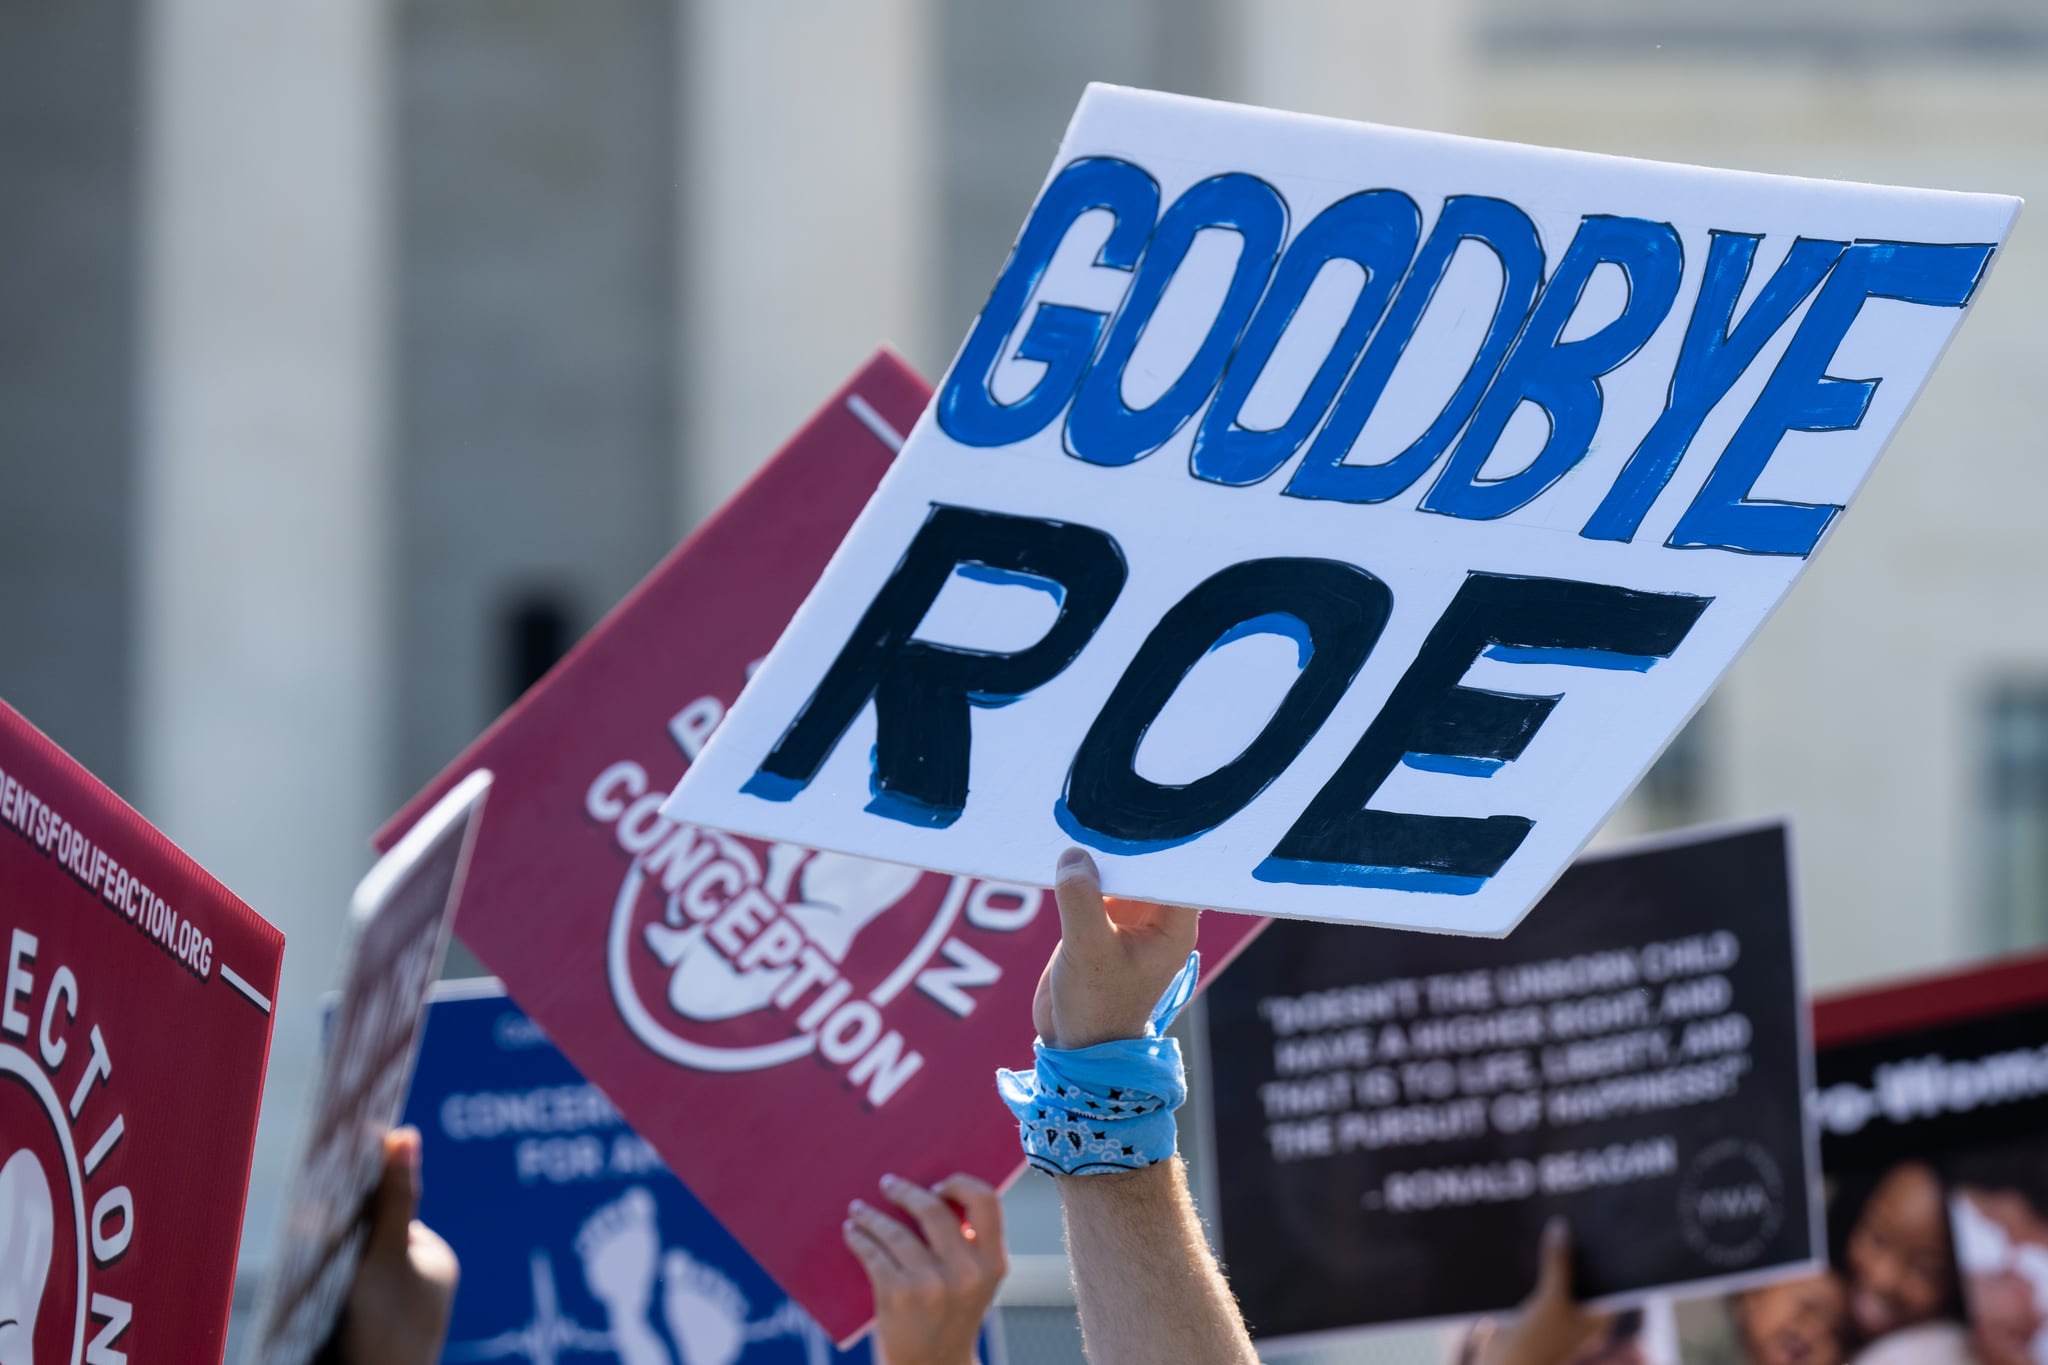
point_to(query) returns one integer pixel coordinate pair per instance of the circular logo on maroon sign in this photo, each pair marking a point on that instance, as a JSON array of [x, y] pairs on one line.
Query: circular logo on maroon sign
[[731, 954], [42, 1220]]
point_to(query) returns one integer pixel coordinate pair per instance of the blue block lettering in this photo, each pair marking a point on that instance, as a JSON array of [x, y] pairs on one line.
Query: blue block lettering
[[1102, 428], [1507, 232], [1563, 377], [1061, 337], [1377, 230], [1802, 396], [1714, 356]]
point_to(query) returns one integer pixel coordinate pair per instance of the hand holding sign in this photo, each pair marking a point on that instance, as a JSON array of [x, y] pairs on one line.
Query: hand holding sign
[[1114, 960], [397, 1309], [1551, 1325], [933, 1286]]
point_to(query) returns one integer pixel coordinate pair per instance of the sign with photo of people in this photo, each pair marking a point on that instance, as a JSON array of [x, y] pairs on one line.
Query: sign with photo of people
[[1933, 1110]]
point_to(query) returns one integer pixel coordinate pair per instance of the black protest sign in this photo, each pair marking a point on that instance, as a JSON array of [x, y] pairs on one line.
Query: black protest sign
[[1396, 1115]]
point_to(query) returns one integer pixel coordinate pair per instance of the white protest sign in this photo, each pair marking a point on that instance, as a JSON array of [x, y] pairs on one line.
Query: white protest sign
[[1335, 521], [399, 920]]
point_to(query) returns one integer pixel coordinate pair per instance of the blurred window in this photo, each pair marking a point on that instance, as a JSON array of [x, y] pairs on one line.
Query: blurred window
[[1676, 789], [2016, 750], [536, 634]]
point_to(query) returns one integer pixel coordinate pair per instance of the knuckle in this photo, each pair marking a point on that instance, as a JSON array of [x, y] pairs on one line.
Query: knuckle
[[968, 1187]]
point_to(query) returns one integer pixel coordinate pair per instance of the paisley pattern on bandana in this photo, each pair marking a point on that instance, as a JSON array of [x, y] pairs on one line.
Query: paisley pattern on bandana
[[1093, 1110]]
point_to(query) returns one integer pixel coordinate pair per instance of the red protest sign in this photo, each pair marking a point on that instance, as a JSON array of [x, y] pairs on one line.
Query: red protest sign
[[135, 996], [783, 1025], [2003, 986]]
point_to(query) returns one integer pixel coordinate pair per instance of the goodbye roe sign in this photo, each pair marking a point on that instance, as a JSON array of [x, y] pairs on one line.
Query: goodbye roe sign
[[1335, 521]]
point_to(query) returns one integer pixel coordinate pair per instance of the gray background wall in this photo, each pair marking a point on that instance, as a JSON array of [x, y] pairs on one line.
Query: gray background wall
[[535, 351], [69, 249]]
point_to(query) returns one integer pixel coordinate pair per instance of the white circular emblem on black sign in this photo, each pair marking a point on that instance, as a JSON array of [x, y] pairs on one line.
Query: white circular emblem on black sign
[[1731, 1202]]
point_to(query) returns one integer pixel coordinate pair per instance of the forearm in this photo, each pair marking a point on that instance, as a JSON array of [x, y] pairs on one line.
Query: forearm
[[1148, 1289]]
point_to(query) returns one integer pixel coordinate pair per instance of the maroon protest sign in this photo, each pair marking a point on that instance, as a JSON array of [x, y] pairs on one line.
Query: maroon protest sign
[[783, 1025], [135, 997]]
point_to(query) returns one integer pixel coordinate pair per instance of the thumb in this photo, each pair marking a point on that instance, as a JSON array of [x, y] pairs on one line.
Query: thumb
[[1478, 1342], [1554, 1267], [397, 1196], [1077, 889]]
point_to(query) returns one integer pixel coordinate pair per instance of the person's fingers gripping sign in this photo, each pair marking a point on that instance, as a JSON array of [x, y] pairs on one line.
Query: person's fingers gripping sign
[[933, 1281]]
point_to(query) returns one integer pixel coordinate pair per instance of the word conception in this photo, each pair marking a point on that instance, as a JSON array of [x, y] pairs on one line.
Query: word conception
[[923, 693], [749, 934]]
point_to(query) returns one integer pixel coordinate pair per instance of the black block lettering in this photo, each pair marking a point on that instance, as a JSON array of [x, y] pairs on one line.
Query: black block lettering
[[922, 692], [1338, 612], [1337, 841]]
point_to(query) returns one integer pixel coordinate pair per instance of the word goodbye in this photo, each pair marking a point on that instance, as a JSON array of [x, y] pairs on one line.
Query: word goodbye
[[1523, 358]]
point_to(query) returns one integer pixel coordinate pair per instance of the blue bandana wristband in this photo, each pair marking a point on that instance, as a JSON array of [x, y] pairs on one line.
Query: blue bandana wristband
[[1094, 1110]]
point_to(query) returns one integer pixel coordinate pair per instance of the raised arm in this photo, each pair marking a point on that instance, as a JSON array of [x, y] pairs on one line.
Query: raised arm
[[1150, 1292], [1147, 1286]]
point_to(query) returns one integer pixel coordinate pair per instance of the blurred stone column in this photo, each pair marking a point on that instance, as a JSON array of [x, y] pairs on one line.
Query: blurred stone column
[[1389, 61], [261, 727], [807, 199]]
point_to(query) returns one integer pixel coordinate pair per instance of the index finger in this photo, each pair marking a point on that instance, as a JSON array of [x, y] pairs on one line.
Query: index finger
[[396, 1199], [939, 1224], [983, 1209], [1554, 1263], [1154, 919]]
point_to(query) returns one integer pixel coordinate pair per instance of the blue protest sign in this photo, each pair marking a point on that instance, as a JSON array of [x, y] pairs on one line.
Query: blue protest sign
[[575, 1240]]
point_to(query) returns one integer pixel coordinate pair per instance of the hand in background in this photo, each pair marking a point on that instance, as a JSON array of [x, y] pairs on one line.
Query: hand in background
[[397, 1310], [932, 1286], [1114, 960], [1551, 1325]]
